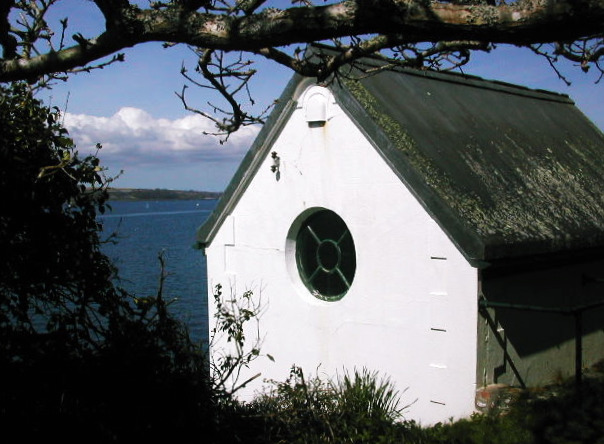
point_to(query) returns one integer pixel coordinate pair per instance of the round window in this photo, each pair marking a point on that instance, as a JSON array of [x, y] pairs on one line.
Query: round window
[[325, 255]]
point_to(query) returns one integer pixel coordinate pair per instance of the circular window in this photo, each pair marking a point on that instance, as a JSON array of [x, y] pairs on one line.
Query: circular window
[[325, 255]]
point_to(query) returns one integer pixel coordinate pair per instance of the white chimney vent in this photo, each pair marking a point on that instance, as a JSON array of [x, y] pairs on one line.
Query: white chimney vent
[[316, 101]]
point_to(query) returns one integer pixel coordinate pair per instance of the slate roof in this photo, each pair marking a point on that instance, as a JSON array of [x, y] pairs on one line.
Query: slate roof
[[506, 171]]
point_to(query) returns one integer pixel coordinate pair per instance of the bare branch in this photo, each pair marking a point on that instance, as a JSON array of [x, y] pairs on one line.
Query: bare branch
[[302, 67], [422, 34], [411, 21], [551, 58], [249, 6], [112, 10], [585, 53], [218, 73], [452, 54]]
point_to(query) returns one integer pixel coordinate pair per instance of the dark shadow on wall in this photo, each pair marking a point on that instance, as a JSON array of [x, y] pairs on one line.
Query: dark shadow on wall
[[536, 308]]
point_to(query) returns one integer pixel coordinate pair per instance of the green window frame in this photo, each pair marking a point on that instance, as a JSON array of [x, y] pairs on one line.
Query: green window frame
[[326, 255]]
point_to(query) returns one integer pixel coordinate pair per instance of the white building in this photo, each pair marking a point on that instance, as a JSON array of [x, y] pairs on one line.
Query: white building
[[372, 216]]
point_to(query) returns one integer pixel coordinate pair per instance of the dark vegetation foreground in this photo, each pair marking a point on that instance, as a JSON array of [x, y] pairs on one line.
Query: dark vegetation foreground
[[84, 361]]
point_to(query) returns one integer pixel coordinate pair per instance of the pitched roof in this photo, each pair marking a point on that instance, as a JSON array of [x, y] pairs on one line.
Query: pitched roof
[[506, 171]]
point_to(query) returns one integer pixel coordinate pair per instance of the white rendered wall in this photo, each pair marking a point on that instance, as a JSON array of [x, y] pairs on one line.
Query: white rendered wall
[[411, 312]]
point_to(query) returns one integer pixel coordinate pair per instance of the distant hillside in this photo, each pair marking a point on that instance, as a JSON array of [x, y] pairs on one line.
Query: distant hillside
[[159, 194]]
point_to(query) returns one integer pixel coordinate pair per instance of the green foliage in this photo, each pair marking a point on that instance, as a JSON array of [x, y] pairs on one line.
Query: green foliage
[[232, 317], [362, 408], [559, 414], [364, 395], [49, 244], [298, 410], [481, 429], [81, 360], [569, 415], [357, 408]]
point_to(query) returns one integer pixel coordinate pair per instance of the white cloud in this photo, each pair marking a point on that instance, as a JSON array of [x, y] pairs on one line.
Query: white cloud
[[134, 137]]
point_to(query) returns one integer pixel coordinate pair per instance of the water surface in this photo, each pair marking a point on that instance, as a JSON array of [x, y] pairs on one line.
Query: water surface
[[146, 228]]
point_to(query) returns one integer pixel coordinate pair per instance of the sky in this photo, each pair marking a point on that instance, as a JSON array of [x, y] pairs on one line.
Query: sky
[[132, 110]]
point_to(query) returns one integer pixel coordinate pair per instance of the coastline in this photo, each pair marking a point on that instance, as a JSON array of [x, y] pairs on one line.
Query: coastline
[[133, 194]]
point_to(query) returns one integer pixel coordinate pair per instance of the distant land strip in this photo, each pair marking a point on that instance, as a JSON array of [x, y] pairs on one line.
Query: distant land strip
[[159, 194]]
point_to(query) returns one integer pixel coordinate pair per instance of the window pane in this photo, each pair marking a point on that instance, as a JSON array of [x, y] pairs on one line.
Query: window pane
[[326, 255]]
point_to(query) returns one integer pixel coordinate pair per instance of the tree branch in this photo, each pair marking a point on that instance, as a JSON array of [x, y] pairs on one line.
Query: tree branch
[[413, 21], [61, 61], [219, 73], [7, 41], [425, 34]]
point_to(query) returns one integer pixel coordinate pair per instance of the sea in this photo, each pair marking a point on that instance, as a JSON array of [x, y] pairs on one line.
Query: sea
[[145, 229]]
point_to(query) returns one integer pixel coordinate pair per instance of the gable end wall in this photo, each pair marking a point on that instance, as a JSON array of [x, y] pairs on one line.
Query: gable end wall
[[411, 311]]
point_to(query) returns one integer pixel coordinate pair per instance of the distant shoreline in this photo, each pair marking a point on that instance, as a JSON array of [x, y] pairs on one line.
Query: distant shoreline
[[159, 194]]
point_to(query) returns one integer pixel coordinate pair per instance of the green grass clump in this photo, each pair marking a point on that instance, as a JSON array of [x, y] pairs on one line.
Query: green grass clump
[[355, 408]]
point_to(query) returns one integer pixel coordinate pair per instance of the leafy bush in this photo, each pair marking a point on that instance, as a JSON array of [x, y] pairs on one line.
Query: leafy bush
[[558, 414], [82, 360], [570, 415], [355, 408], [481, 429], [362, 408]]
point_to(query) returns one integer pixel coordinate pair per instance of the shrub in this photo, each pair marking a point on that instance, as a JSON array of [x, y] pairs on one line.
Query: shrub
[[558, 414], [569, 415], [82, 359], [355, 408]]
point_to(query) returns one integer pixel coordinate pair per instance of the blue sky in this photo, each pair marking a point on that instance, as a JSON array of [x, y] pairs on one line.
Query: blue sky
[[131, 108]]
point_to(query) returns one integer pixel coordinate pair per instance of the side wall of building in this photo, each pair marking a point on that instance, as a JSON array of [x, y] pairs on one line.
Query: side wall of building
[[410, 313], [529, 345]]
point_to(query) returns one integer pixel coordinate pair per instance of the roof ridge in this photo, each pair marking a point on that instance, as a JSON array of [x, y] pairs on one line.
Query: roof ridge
[[457, 77]]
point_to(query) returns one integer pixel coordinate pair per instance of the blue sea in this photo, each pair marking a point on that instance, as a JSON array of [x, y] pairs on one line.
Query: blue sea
[[146, 228]]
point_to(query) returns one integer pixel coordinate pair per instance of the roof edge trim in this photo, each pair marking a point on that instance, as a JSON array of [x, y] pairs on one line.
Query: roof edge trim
[[250, 164]]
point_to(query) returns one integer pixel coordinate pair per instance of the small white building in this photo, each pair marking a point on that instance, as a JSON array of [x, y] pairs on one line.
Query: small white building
[[381, 221]]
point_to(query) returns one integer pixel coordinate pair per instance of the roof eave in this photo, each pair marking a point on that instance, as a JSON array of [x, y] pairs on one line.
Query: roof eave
[[528, 263], [250, 163]]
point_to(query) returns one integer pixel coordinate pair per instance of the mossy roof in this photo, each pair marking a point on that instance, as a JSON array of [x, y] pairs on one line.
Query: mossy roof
[[507, 172]]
